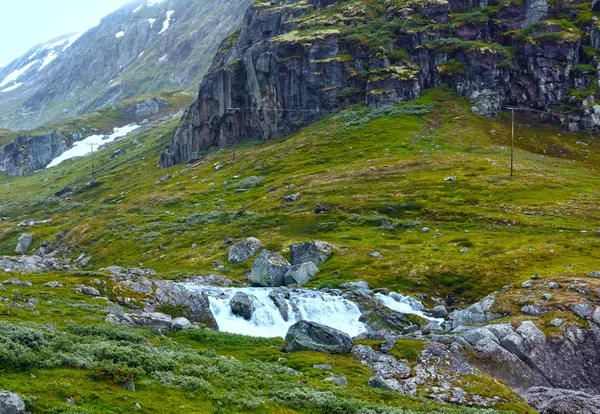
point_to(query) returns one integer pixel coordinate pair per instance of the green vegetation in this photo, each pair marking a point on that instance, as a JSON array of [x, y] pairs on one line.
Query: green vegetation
[[365, 166]]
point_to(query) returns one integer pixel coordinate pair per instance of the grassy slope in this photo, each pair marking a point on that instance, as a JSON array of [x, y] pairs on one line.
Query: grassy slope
[[392, 170]]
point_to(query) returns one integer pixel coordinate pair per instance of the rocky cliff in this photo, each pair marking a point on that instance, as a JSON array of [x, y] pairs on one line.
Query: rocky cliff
[[295, 61], [145, 46]]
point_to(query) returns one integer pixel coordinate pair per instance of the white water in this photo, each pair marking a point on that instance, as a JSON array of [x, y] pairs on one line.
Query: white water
[[404, 304], [83, 148], [267, 321]]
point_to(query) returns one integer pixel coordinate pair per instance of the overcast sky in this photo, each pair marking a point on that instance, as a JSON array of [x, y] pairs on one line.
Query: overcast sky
[[26, 23]]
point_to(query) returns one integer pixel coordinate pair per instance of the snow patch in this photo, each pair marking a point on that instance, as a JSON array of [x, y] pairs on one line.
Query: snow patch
[[72, 40], [151, 21], [48, 59], [119, 35], [11, 88], [163, 58], [153, 2], [167, 22], [14, 75], [137, 9], [84, 148]]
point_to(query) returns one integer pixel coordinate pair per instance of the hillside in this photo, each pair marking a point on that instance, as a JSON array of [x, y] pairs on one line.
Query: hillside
[[294, 62], [142, 47], [378, 178]]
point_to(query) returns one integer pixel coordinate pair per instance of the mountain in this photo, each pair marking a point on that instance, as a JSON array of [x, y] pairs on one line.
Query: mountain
[[294, 62], [145, 46]]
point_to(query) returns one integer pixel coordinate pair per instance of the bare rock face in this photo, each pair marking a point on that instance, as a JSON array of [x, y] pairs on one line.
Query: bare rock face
[[24, 243], [317, 252], [269, 81], [559, 401]]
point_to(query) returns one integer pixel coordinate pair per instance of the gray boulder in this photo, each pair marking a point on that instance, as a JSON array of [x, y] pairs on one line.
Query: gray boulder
[[181, 324], [559, 401], [244, 250], [594, 273], [241, 305], [596, 316], [532, 310], [269, 269], [11, 403], [311, 336], [90, 291], [317, 252], [476, 313], [300, 274], [53, 284], [24, 243], [583, 310], [360, 285], [439, 312], [154, 320], [377, 382]]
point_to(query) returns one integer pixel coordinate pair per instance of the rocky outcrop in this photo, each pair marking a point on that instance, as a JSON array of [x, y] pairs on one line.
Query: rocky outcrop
[[557, 401], [31, 153], [317, 252], [311, 336], [284, 70], [146, 108], [24, 243], [476, 313]]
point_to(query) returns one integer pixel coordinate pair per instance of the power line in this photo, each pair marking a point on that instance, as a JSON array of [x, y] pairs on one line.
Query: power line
[[250, 108], [544, 112]]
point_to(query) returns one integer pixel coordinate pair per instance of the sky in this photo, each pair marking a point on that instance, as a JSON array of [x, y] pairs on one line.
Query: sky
[[26, 23]]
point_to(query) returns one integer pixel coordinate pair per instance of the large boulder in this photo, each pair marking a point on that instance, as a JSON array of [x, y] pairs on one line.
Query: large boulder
[[241, 305], [596, 5], [24, 243], [300, 274], [11, 403], [317, 252], [269, 269], [244, 250], [312, 336], [558, 401]]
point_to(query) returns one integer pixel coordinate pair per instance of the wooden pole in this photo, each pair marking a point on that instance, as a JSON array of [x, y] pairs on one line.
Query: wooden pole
[[512, 145], [92, 147]]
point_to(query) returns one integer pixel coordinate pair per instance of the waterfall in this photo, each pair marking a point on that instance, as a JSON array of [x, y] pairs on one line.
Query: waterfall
[[267, 320]]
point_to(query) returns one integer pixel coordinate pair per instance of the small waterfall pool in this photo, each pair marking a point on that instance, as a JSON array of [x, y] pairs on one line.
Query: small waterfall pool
[[302, 304]]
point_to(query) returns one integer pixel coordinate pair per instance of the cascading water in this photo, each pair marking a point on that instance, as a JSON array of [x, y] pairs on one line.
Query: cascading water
[[302, 304], [267, 320]]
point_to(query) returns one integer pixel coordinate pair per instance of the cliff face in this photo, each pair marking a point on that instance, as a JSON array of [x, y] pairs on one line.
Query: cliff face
[[295, 61], [142, 47]]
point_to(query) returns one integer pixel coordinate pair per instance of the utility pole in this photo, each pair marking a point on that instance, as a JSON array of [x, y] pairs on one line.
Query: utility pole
[[512, 143], [92, 147]]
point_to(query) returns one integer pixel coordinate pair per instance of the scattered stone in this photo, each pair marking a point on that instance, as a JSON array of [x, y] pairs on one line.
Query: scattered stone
[[556, 322], [241, 305], [311, 336], [377, 382], [244, 250], [63, 191], [532, 310], [117, 153], [432, 328], [359, 285], [337, 379], [439, 312], [90, 291], [536, 277], [317, 252], [527, 285], [85, 261], [594, 274], [16, 282], [181, 324], [323, 367], [24, 243], [320, 209], [375, 255], [425, 230], [464, 250], [411, 329], [163, 179], [546, 296], [290, 198], [583, 310], [453, 178], [137, 406], [269, 269], [553, 285], [11, 403]]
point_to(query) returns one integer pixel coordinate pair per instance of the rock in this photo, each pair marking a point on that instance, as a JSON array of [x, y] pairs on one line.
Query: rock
[[311, 336], [560, 401], [323, 367], [85, 261], [117, 153], [11, 403], [553, 285], [546, 296], [527, 285], [360, 285], [594, 274], [595, 5], [476, 313], [241, 305], [163, 179], [244, 250], [377, 382], [300, 274], [281, 304], [24, 243], [532, 310], [16, 282], [269, 269], [375, 255], [90, 291], [63, 191], [338, 379], [181, 324], [290, 198], [439, 312], [119, 319], [556, 322], [464, 250], [317, 252], [453, 178], [53, 284], [153, 320], [432, 328], [320, 208], [583, 310], [596, 315]]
